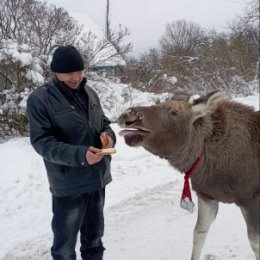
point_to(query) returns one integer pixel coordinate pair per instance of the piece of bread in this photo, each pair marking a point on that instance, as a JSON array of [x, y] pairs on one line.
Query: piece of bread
[[104, 139], [107, 151]]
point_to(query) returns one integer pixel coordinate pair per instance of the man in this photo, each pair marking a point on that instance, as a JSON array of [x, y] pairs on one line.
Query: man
[[66, 121]]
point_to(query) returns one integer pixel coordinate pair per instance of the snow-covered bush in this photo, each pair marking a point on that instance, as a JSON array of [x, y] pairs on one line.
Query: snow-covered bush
[[24, 70], [13, 119]]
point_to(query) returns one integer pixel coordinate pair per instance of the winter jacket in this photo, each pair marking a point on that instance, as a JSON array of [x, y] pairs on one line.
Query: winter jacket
[[61, 130]]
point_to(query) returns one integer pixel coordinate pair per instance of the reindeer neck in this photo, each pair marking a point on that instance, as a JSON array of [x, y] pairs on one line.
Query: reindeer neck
[[185, 157]]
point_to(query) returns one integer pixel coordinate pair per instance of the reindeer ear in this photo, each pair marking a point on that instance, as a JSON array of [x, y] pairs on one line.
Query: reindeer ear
[[181, 96], [206, 105]]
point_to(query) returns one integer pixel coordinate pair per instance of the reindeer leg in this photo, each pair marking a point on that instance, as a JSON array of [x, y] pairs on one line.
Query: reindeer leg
[[207, 212], [252, 217]]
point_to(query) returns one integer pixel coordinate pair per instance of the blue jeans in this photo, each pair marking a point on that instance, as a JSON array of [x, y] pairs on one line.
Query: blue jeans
[[82, 213]]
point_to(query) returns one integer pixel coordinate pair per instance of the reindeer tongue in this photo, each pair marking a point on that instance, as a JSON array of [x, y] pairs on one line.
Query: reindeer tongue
[[126, 132]]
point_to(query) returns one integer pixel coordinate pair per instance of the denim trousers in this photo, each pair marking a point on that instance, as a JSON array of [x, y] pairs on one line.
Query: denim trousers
[[71, 215]]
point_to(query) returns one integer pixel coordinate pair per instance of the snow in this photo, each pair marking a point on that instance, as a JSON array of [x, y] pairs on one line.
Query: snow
[[34, 76], [18, 53], [116, 97], [142, 212], [88, 24]]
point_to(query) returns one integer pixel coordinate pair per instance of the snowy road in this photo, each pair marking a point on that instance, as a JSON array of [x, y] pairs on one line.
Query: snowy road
[[151, 225]]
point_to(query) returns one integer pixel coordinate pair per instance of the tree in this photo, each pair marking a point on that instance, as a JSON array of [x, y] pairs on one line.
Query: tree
[[116, 37], [36, 24], [181, 38], [244, 40]]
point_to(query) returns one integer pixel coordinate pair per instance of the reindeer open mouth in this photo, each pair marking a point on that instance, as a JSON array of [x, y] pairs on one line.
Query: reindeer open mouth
[[133, 136], [134, 133]]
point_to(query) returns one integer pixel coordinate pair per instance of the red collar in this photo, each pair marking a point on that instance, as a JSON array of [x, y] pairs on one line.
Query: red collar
[[186, 193]]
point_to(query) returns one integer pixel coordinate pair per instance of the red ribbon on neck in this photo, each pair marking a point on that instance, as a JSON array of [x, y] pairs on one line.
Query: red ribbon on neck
[[186, 192]]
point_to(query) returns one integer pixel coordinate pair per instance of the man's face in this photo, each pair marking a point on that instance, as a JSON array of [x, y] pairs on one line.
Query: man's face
[[71, 79]]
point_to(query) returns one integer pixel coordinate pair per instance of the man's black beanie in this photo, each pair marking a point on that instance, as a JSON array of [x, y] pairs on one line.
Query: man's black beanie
[[66, 59]]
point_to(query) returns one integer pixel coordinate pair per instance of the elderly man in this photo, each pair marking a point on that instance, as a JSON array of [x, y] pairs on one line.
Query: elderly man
[[66, 121]]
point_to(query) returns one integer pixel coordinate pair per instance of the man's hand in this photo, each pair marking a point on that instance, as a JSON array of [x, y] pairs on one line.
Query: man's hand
[[106, 140], [91, 155]]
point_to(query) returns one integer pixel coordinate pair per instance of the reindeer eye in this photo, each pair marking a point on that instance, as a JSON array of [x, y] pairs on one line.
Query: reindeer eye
[[173, 113]]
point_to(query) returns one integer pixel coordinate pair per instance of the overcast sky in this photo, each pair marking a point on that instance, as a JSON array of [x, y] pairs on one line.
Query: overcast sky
[[147, 19]]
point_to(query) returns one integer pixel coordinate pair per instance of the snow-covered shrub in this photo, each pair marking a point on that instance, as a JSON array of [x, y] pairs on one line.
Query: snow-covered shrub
[[24, 68], [25, 72], [13, 118]]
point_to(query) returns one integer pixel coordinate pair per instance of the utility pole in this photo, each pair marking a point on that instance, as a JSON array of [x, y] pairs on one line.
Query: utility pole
[[107, 29]]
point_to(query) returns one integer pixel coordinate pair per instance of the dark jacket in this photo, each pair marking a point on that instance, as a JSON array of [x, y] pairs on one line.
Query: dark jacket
[[61, 130]]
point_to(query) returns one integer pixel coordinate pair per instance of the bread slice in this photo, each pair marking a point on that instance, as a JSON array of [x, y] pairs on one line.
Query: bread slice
[[104, 139], [107, 151]]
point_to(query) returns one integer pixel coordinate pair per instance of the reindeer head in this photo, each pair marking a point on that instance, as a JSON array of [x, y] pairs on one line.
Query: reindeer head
[[166, 127]]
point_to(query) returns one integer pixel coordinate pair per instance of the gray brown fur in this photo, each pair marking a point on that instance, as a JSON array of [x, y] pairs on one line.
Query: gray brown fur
[[229, 170]]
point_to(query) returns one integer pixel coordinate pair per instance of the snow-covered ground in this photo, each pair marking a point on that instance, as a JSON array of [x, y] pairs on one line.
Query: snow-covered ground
[[143, 217]]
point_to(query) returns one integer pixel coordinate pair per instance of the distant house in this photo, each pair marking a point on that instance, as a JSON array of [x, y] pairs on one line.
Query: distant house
[[107, 70]]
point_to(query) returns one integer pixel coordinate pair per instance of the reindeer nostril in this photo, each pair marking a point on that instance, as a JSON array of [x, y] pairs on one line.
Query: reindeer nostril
[[140, 116], [125, 116]]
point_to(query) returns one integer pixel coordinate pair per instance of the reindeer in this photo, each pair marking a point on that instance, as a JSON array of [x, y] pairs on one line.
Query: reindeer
[[216, 143]]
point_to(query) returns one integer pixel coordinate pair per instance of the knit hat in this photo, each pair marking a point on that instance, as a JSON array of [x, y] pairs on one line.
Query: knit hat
[[66, 59]]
